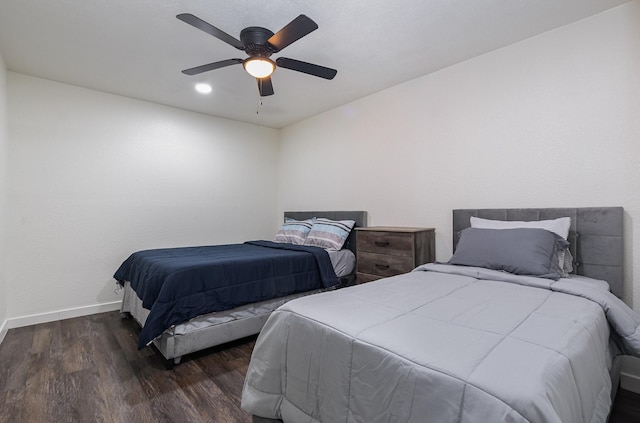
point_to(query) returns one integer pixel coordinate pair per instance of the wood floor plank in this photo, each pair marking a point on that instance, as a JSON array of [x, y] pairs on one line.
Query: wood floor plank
[[213, 404], [77, 356], [46, 337], [118, 384], [11, 405], [168, 401], [44, 393], [126, 332], [626, 408], [14, 359], [103, 334], [89, 369], [224, 373]]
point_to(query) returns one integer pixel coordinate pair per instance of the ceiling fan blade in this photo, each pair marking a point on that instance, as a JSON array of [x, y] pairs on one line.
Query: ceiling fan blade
[[293, 31], [265, 86], [211, 66], [308, 68], [210, 29]]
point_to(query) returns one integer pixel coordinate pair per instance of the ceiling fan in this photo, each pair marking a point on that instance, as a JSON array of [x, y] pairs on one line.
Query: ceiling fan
[[260, 43]]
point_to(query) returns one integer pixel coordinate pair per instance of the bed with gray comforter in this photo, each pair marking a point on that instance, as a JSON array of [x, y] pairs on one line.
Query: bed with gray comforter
[[493, 348], [444, 343]]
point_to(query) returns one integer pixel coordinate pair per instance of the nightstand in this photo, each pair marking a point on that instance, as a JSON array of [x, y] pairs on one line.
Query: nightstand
[[384, 251]]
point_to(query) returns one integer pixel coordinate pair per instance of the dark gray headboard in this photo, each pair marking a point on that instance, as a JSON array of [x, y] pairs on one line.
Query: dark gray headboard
[[360, 217], [596, 236]]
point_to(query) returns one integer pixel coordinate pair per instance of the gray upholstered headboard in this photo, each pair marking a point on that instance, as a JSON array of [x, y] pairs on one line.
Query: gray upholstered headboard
[[360, 217], [596, 236]]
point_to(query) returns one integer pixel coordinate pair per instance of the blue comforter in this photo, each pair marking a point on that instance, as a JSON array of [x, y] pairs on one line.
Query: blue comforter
[[177, 284]]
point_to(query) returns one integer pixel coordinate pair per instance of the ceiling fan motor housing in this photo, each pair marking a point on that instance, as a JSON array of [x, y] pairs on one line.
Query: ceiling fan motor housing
[[255, 39]]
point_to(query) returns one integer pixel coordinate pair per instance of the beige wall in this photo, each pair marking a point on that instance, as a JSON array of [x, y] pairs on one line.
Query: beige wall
[[553, 121]]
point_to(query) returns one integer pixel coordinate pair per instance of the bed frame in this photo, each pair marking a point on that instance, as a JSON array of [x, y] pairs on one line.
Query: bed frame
[[173, 346]]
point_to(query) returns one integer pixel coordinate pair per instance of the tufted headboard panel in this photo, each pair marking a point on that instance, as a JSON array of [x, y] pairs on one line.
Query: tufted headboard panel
[[596, 236]]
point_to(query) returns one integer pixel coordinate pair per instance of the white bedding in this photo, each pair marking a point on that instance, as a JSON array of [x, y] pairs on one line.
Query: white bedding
[[439, 345]]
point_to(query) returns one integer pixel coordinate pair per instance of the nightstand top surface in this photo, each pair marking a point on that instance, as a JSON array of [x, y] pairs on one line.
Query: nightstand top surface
[[393, 229]]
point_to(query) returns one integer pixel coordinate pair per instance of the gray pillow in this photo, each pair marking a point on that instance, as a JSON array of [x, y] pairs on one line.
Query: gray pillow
[[521, 251]]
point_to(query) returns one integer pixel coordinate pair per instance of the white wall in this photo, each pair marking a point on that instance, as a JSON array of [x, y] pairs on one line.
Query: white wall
[[3, 196], [553, 121], [94, 177]]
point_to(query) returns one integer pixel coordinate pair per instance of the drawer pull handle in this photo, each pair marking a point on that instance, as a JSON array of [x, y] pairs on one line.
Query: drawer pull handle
[[382, 243], [382, 266]]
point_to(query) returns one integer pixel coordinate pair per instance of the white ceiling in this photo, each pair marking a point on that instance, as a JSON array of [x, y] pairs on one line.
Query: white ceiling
[[137, 48]]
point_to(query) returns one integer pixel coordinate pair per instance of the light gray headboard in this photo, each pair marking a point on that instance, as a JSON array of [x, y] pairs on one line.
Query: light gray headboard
[[360, 217], [596, 236]]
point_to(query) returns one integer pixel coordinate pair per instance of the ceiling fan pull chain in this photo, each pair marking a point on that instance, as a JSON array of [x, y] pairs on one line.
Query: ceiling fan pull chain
[[258, 104]]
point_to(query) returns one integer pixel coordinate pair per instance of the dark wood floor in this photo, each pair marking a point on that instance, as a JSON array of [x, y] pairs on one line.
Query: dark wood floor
[[88, 369]]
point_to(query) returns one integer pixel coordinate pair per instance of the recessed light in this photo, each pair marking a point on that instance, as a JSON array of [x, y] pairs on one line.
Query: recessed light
[[203, 88]]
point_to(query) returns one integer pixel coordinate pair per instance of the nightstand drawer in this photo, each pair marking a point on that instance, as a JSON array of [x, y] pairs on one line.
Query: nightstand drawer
[[392, 243], [383, 265], [384, 251]]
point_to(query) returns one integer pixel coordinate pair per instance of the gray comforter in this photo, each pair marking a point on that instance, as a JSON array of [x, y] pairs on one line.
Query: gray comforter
[[442, 344]]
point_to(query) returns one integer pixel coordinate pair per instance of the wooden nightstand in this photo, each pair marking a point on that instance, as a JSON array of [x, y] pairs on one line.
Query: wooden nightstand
[[384, 251]]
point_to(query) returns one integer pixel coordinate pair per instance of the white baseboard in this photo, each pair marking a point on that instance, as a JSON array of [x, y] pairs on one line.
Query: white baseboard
[[53, 316], [630, 374], [4, 328], [630, 382]]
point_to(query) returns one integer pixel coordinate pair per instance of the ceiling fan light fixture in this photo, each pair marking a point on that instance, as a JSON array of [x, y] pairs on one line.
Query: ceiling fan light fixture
[[259, 67]]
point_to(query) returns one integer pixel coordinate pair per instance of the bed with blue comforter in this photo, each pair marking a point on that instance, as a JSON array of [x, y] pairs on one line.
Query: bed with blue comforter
[[177, 284], [193, 298]]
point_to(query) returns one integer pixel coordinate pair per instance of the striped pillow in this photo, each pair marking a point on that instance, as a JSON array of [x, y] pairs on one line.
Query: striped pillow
[[329, 234], [293, 231]]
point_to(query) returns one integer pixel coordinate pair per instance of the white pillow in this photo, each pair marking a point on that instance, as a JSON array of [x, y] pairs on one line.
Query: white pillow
[[558, 226]]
